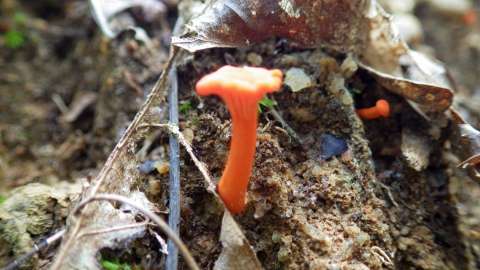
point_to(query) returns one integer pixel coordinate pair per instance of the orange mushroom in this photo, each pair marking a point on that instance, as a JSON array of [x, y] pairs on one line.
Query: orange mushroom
[[470, 17], [241, 88], [381, 109]]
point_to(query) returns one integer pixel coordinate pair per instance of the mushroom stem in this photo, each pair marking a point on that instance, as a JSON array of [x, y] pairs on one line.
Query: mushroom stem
[[234, 182]]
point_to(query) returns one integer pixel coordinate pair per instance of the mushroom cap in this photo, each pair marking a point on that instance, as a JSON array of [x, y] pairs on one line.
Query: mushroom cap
[[383, 108], [238, 82]]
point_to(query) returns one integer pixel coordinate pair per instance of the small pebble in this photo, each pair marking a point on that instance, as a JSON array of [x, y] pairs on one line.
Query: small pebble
[[337, 84], [349, 66], [149, 166], [162, 167], [297, 79], [317, 171], [283, 254], [276, 237], [254, 59]]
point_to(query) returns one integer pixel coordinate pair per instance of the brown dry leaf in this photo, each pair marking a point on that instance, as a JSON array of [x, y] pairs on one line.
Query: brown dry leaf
[[433, 97], [360, 27], [467, 143], [80, 102], [237, 254], [118, 176], [88, 243], [401, 70], [229, 23]]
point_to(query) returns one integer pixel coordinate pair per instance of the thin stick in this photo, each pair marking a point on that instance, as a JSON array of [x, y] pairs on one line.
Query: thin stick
[[382, 255], [200, 165], [36, 248], [114, 229], [389, 193], [286, 126], [174, 182], [152, 216], [100, 18]]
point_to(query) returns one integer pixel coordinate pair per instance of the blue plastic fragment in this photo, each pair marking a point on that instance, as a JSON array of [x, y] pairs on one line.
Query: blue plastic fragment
[[147, 167], [331, 146]]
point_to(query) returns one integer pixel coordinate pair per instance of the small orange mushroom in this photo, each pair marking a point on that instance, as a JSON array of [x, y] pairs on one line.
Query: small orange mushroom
[[381, 109], [470, 17], [241, 88]]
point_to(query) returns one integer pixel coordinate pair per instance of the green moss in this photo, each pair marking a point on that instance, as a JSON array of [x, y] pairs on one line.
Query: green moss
[[185, 107], [14, 39], [114, 265], [19, 17], [266, 103]]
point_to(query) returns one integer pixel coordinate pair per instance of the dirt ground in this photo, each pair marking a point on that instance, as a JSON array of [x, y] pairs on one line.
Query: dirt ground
[[67, 94]]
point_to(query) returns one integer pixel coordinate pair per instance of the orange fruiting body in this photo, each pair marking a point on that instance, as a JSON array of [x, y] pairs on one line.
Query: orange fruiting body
[[470, 17], [241, 88], [381, 109]]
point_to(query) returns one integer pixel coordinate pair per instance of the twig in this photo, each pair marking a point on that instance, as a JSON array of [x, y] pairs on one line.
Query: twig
[[57, 99], [174, 182], [114, 229], [472, 161], [152, 216], [200, 165], [389, 193], [36, 248], [100, 19], [382, 255], [289, 129], [116, 153]]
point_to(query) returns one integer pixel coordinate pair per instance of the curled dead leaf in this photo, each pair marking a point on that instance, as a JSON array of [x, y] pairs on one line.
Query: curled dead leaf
[[467, 144], [229, 23], [360, 27], [237, 254], [434, 98]]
